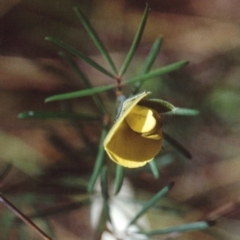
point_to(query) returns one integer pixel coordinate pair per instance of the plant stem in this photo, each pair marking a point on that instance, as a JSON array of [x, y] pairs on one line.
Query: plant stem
[[23, 217]]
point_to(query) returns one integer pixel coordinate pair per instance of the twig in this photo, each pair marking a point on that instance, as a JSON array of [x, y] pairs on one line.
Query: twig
[[23, 217]]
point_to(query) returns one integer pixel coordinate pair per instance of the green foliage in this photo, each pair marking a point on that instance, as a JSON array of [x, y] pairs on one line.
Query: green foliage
[[99, 162], [151, 202], [181, 228], [135, 43], [119, 178]]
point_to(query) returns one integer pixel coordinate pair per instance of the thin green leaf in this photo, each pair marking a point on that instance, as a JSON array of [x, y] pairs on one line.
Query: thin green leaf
[[181, 228], [176, 145], [89, 92], [76, 68], [149, 62], [104, 183], [182, 112], [98, 163], [94, 36], [104, 190], [81, 93], [119, 178], [84, 78], [152, 202], [185, 111], [80, 55], [154, 168], [152, 55], [62, 115], [135, 42], [160, 71]]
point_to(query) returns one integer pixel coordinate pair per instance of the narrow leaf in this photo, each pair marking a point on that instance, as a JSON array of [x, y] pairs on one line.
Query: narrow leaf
[[185, 112], [154, 168], [76, 68], [135, 42], [180, 228], [98, 163], [81, 93], [104, 183], [149, 62], [152, 55], [160, 71], [104, 189], [94, 36], [119, 178], [89, 92], [84, 78], [175, 144], [80, 55], [62, 115], [152, 202]]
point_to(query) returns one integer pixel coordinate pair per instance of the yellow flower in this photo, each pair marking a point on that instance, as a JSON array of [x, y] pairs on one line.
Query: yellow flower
[[136, 137]]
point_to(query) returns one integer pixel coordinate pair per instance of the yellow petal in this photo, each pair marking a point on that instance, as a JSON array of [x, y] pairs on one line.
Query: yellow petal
[[141, 119], [127, 163], [156, 135], [127, 145], [128, 105], [128, 148]]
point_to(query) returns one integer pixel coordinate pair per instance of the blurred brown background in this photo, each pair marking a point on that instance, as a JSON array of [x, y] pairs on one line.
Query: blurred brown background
[[207, 33]]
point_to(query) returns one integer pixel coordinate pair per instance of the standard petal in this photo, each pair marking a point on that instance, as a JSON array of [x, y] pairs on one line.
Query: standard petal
[[131, 146], [126, 107]]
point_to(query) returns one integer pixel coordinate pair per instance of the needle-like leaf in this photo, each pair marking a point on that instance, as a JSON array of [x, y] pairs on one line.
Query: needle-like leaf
[[149, 62], [94, 36], [84, 78], [89, 92], [154, 168], [81, 93], [180, 228], [99, 162], [152, 202], [119, 178], [80, 55], [185, 111], [160, 71], [104, 189], [62, 115], [135, 42], [152, 55], [104, 183], [175, 144]]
